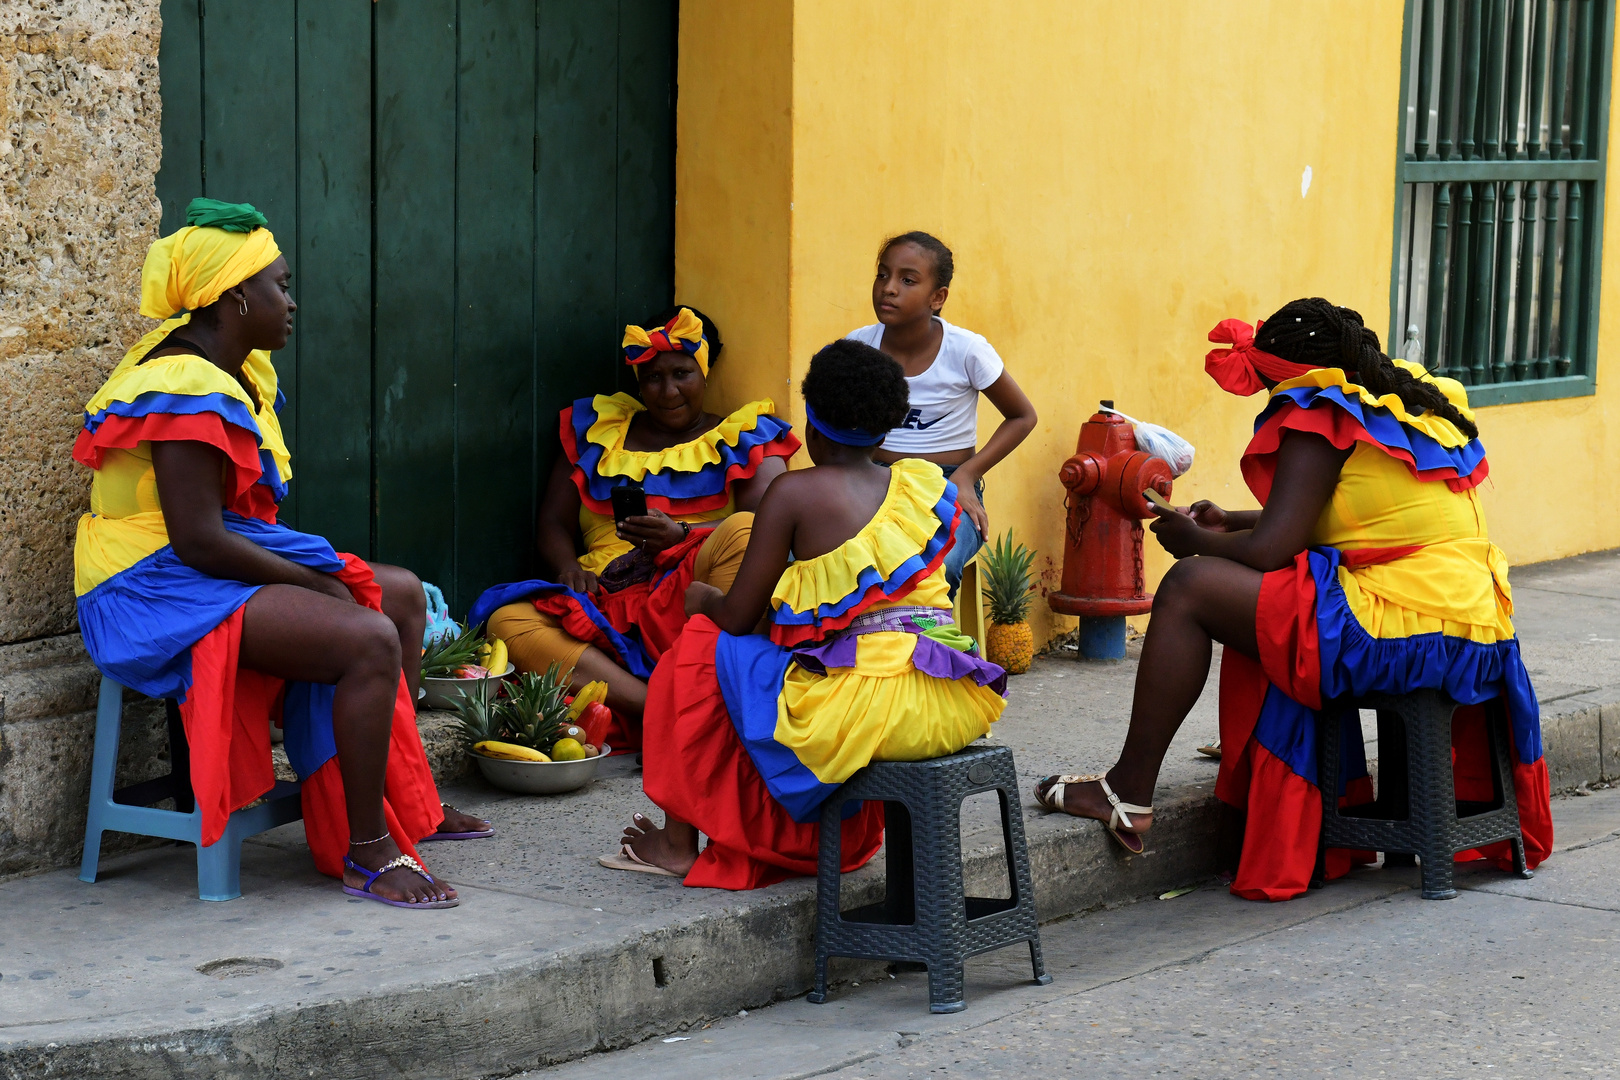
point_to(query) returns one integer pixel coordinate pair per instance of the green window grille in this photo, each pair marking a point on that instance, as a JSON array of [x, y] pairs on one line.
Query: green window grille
[[1498, 243]]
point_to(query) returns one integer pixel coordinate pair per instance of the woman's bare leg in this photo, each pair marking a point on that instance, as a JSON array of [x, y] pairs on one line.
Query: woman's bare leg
[[674, 847], [405, 604], [1200, 600], [299, 634]]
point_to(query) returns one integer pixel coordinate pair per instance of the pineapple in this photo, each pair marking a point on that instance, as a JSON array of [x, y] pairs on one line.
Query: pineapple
[[530, 713], [1007, 586], [450, 653]]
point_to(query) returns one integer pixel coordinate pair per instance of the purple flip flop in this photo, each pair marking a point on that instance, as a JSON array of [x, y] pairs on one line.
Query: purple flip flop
[[476, 834], [479, 835], [371, 877]]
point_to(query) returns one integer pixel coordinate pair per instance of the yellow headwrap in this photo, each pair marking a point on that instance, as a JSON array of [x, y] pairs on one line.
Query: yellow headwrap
[[683, 333], [191, 268]]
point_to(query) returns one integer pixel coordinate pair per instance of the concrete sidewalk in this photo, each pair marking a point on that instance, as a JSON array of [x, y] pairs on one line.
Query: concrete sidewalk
[[1363, 974], [550, 957]]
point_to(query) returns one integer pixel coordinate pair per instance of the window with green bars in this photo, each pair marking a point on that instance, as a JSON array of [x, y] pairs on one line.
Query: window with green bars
[[1500, 208]]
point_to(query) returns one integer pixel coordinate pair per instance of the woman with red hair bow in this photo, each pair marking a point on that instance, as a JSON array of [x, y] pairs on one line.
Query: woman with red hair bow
[[608, 613], [1368, 568]]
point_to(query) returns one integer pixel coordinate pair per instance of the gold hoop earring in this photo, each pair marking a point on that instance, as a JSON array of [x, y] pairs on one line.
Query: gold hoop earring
[[244, 305]]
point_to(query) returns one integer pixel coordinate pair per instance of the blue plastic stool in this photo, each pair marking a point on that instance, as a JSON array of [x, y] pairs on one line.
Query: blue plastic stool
[[129, 809]]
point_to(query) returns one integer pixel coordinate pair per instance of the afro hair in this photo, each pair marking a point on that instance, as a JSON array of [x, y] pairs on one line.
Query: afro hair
[[851, 385]]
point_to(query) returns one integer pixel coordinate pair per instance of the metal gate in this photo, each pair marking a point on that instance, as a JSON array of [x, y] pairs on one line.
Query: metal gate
[[474, 197]]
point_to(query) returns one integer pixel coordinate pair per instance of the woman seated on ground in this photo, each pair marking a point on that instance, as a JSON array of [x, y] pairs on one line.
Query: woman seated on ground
[[189, 588], [1368, 569], [747, 734], [610, 613]]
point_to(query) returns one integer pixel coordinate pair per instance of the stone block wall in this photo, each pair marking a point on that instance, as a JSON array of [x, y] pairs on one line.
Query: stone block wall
[[80, 147]]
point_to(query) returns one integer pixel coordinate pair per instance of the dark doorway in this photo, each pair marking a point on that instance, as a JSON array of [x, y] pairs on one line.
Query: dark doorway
[[475, 196]]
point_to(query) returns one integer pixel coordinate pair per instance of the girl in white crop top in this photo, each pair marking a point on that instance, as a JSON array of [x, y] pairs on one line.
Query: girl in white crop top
[[946, 368]]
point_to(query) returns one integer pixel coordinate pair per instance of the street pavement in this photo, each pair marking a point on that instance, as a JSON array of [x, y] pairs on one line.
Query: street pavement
[[1363, 978]]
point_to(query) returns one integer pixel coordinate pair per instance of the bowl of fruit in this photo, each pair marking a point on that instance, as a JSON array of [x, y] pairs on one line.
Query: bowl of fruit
[[462, 665], [530, 737]]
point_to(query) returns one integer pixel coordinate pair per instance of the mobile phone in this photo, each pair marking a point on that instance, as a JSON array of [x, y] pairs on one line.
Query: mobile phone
[[628, 501], [1153, 496]]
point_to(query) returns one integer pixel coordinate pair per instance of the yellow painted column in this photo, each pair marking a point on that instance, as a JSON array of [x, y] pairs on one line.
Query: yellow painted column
[[734, 190]]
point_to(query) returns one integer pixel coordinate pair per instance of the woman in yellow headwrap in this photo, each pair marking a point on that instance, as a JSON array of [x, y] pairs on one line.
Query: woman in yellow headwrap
[[610, 612], [189, 588]]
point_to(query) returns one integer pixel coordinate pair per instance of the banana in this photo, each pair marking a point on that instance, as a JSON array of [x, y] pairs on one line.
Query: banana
[[591, 693], [497, 658], [506, 751]]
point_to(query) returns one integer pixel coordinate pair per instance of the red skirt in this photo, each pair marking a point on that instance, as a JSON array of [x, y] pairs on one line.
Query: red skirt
[[697, 770], [1267, 718], [227, 714]]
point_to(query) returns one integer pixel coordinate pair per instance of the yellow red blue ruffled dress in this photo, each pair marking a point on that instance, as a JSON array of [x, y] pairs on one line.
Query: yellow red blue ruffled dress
[[1401, 589], [161, 628], [746, 736], [636, 621]]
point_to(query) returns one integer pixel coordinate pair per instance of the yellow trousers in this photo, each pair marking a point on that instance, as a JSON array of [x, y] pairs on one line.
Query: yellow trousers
[[534, 639]]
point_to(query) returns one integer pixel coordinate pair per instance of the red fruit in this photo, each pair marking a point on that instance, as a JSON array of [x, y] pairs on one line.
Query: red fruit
[[595, 719]]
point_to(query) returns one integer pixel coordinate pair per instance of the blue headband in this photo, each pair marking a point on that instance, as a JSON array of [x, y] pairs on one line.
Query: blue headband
[[847, 436]]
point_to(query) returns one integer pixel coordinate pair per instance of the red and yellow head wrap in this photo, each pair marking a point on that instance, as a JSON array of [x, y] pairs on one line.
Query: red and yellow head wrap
[[1238, 370], [683, 333]]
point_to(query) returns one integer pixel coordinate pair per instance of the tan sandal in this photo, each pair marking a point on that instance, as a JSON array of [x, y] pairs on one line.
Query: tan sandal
[[627, 859], [1052, 799], [1211, 750]]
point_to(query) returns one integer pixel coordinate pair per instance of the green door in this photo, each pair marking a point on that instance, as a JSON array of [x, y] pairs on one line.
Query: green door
[[474, 196]]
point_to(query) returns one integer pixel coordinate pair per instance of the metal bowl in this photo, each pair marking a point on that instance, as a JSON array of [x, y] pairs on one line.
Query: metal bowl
[[444, 693], [539, 777]]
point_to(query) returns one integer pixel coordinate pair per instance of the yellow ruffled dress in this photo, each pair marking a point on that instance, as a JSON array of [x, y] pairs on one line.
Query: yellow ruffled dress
[[1400, 589], [746, 736]]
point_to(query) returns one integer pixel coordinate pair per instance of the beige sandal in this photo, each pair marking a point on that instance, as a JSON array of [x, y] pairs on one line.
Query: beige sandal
[[627, 859], [1052, 799]]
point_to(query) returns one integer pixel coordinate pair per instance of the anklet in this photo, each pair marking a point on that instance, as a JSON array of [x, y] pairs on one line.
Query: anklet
[[363, 843]]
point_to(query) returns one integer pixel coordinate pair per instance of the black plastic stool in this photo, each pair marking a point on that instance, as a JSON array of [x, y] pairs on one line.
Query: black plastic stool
[[925, 915], [1417, 811]]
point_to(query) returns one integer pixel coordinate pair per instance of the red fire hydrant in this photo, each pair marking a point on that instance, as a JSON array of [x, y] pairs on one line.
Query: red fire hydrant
[[1102, 551]]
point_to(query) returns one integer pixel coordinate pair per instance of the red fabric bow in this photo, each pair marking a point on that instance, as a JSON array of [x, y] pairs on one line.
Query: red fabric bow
[[1238, 370]]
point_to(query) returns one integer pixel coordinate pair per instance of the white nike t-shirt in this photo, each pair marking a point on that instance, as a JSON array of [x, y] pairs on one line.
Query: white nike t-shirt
[[945, 398]]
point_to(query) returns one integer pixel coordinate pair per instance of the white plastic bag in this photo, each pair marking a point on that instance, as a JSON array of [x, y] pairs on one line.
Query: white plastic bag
[[1161, 443]]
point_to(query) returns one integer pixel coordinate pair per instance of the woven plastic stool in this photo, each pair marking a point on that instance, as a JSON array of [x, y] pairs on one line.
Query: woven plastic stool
[[925, 916], [130, 809], [1417, 811]]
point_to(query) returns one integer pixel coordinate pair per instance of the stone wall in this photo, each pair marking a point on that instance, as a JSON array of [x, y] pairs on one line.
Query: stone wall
[[79, 150]]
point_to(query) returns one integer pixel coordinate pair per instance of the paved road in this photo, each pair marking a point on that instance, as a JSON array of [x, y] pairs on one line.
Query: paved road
[[1511, 979]]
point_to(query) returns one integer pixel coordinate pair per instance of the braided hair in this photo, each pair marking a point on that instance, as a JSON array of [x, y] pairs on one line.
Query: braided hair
[[1316, 332]]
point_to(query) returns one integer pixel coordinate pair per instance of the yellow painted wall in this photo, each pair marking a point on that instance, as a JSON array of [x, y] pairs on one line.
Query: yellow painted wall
[[1114, 179], [733, 188]]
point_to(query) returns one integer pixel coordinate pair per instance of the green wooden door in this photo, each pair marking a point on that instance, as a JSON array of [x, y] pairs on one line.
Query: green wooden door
[[474, 196]]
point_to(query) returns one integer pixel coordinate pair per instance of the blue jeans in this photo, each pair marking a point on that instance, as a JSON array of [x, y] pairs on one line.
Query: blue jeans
[[968, 540]]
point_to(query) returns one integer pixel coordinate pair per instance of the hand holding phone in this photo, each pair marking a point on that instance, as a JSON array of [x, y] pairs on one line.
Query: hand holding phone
[[628, 501], [1158, 501]]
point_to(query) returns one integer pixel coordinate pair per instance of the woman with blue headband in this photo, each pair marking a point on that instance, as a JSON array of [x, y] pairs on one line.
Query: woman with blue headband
[[189, 588], [611, 600], [747, 733]]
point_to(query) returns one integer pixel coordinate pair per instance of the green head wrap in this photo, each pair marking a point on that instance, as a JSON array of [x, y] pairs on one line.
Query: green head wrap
[[232, 217]]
